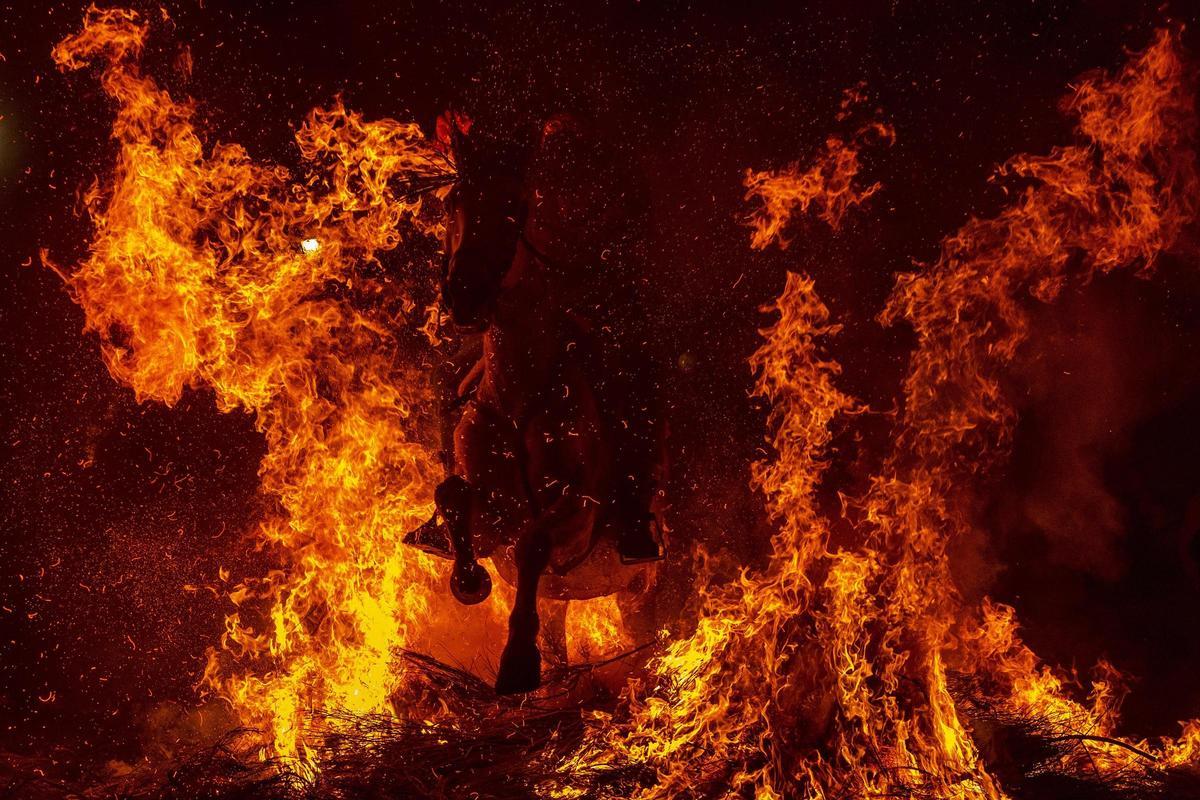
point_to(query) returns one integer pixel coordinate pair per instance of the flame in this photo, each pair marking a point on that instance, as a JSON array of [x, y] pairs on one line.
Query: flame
[[719, 703], [1117, 199], [826, 674], [209, 269], [594, 630], [827, 188]]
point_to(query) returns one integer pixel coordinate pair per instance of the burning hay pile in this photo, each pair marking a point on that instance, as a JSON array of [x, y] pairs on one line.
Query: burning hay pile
[[850, 666]]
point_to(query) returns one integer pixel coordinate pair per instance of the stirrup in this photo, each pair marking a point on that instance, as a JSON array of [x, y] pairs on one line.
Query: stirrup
[[432, 537], [470, 583], [640, 547]]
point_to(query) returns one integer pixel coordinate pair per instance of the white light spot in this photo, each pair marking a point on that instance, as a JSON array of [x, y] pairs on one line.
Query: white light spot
[[310, 245]]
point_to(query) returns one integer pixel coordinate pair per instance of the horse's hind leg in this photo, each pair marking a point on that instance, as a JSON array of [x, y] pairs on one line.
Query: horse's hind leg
[[521, 662]]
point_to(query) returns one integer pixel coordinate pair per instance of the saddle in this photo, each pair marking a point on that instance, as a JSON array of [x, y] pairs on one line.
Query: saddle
[[627, 506]]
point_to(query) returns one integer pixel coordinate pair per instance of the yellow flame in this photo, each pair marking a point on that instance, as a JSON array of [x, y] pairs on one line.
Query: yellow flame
[[826, 674], [194, 279]]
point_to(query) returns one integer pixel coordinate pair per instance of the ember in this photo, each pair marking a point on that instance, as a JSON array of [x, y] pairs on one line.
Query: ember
[[503, 550]]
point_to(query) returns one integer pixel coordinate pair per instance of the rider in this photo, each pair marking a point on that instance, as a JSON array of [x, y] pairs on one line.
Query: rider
[[609, 315]]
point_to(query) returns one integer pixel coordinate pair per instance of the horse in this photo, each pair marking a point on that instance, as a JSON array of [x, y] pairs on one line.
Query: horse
[[557, 459]]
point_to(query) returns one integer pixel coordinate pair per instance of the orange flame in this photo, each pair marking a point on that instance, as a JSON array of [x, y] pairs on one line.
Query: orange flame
[[827, 673], [210, 269], [720, 704], [594, 631], [827, 189], [1118, 199]]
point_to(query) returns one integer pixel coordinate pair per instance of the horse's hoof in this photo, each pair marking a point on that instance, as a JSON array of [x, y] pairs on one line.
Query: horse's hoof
[[520, 669], [470, 583]]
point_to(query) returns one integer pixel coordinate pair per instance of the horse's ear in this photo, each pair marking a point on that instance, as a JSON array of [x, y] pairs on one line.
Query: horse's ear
[[442, 132], [452, 129]]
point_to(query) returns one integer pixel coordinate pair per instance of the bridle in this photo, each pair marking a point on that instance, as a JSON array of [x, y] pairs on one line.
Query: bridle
[[522, 240]]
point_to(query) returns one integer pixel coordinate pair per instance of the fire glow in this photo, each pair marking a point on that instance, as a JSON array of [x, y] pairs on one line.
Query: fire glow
[[829, 673]]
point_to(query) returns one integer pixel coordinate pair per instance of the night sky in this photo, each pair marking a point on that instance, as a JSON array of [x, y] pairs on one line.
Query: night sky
[[111, 508]]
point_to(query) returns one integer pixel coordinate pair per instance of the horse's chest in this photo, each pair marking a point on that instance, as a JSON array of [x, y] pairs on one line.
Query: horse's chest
[[517, 369], [552, 410]]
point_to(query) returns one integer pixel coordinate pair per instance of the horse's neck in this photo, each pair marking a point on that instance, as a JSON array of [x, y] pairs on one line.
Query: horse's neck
[[526, 345]]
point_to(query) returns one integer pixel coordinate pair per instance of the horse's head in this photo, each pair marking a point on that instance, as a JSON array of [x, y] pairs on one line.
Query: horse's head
[[485, 211]]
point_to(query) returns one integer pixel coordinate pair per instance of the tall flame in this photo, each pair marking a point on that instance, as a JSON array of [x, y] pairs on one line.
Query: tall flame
[[733, 707], [1117, 199], [209, 269], [720, 704], [829, 673]]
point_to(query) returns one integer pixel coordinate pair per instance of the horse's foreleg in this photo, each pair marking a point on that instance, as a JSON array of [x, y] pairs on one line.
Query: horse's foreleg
[[469, 582], [521, 662]]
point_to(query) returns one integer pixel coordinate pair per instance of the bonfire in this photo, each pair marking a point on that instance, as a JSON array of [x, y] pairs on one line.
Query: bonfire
[[849, 660]]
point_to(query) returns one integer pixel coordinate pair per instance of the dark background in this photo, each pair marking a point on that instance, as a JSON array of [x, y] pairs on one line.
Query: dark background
[[110, 507]]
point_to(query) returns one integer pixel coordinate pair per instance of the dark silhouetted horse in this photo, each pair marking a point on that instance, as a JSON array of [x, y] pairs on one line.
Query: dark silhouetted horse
[[557, 453]]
